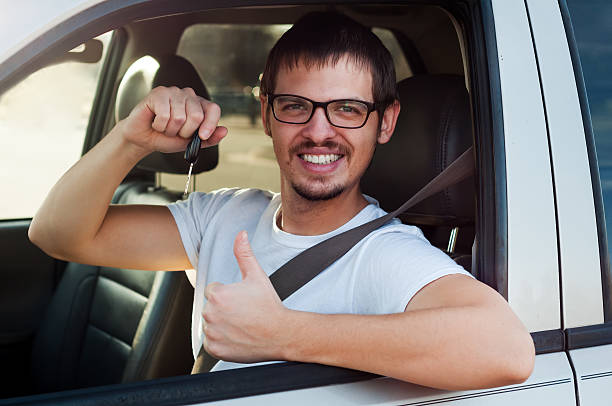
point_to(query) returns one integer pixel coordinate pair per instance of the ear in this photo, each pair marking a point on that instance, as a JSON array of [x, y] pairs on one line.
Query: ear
[[263, 101], [389, 120]]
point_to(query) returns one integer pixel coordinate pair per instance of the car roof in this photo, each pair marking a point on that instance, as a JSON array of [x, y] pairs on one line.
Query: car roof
[[38, 34], [25, 21]]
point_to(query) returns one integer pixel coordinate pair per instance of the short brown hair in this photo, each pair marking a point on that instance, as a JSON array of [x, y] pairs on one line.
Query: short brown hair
[[324, 37]]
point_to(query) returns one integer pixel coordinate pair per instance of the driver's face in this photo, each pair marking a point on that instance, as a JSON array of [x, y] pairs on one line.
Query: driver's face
[[317, 160]]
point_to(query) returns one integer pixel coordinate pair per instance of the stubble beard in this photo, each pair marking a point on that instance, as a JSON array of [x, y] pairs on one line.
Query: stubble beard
[[318, 188], [325, 192]]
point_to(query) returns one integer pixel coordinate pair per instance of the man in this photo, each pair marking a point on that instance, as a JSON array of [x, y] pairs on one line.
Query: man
[[393, 305]]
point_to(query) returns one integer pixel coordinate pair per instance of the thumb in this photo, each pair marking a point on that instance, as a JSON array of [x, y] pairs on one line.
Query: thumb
[[244, 255]]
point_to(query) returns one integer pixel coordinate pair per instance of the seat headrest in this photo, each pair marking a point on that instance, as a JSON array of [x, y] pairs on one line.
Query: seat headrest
[[434, 127], [142, 76]]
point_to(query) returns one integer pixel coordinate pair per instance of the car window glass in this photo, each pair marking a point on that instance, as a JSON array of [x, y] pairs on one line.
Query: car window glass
[[230, 60], [593, 31], [43, 120]]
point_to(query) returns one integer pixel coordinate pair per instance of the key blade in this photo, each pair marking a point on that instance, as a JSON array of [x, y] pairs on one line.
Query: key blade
[[186, 192]]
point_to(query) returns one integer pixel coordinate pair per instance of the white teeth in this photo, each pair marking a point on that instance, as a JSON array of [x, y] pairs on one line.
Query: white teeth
[[320, 159]]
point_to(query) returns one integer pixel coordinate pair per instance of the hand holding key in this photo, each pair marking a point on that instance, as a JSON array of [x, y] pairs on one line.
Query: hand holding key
[[167, 118]]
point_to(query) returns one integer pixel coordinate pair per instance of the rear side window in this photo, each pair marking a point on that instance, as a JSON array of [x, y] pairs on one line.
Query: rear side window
[[591, 20]]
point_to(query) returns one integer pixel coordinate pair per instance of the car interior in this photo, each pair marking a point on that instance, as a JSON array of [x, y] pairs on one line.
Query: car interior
[[100, 325]]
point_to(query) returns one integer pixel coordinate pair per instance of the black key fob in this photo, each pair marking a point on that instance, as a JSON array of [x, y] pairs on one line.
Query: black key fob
[[192, 151]]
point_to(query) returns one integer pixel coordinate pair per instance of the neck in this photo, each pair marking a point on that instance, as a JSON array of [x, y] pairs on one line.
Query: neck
[[304, 217]]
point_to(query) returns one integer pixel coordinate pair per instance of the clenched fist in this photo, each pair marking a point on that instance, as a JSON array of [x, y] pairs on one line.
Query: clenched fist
[[167, 117]]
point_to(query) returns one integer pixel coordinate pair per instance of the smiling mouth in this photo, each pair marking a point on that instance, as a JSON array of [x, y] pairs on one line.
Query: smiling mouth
[[320, 159]]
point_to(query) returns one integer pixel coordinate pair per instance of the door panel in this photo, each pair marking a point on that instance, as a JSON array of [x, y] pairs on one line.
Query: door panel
[[551, 383], [26, 282], [594, 374], [27, 279]]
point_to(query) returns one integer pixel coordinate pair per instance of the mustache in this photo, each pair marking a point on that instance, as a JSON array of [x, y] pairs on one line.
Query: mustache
[[342, 149]]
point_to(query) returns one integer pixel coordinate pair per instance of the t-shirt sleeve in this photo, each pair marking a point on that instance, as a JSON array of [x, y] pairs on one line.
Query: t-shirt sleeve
[[192, 215], [399, 266]]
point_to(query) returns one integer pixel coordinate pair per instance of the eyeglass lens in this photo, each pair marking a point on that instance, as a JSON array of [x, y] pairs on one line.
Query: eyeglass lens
[[343, 113]]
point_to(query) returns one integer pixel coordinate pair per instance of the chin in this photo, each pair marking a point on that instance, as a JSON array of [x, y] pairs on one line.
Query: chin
[[318, 194]]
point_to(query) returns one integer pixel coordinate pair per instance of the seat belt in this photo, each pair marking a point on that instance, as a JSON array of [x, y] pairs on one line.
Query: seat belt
[[300, 270]]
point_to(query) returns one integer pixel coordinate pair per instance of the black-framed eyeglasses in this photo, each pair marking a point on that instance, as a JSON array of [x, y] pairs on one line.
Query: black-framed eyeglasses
[[343, 113]]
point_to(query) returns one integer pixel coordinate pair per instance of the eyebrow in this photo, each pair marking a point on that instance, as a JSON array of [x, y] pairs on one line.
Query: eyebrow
[[357, 98]]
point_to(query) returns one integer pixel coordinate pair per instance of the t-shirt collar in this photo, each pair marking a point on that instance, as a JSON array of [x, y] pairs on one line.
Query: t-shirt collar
[[369, 212]]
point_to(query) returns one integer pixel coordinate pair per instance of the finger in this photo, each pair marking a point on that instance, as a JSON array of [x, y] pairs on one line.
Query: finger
[[207, 328], [216, 137], [195, 116], [189, 91], [159, 104], [206, 312], [209, 290], [177, 112], [205, 343], [244, 255], [212, 113]]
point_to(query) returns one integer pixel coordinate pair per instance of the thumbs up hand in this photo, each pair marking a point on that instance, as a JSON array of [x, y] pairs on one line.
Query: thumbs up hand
[[245, 321]]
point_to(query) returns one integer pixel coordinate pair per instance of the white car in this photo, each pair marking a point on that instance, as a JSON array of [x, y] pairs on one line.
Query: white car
[[513, 78]]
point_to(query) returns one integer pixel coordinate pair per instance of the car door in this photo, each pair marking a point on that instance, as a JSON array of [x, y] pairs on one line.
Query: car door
[[518, 247]]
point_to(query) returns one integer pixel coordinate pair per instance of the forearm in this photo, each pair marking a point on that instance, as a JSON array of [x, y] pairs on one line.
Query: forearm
[[448, 348], [76, 206]]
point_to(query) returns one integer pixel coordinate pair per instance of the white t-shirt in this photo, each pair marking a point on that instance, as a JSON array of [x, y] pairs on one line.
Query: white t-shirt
[[379, 275]]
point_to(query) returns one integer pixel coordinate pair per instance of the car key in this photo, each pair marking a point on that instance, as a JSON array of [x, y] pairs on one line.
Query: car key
[[192, 152]]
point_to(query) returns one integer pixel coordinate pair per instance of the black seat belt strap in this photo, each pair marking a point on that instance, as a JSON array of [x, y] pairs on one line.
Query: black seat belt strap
[[298, 271]]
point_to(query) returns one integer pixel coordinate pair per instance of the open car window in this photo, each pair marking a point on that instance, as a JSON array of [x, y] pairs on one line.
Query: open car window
[[228, 49]]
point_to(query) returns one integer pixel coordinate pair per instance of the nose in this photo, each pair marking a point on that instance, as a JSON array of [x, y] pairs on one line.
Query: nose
[[319, 129]]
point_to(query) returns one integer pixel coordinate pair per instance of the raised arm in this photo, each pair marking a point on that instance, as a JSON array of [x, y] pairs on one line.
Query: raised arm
[[76, 221]]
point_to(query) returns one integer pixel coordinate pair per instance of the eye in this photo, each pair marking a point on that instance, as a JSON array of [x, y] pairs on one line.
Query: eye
[[347, 107], [293, 106]]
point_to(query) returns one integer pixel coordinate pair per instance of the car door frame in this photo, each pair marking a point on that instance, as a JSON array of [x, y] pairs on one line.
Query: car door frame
[[495, 258]]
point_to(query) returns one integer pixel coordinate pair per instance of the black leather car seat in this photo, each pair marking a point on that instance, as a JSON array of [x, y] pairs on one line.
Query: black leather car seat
[[434, 127], [107, 325]]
